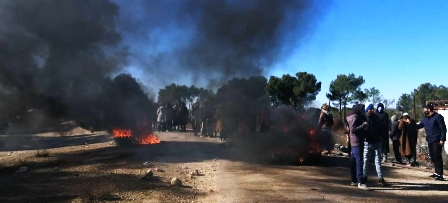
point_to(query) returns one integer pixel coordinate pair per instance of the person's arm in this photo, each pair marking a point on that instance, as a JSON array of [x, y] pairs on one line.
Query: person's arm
[[401, 124], [443, 129], [356, 129], [319, 122], [420, 125]]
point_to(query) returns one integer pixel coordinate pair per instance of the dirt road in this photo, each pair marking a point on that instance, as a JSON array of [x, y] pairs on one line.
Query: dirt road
[[210, 171]]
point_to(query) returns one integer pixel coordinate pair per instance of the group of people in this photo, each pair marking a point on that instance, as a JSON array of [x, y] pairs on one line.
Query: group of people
[[172, 117], [205, 119], [369, 133]]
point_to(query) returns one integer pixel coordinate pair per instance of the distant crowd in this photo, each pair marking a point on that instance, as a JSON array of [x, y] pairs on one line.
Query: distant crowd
[[205, 120]]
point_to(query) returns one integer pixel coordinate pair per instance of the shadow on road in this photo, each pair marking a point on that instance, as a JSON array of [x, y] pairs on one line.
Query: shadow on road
[[21, 142]]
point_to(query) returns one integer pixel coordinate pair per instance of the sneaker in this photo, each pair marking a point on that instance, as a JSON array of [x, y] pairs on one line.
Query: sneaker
[[382, 182], [354, 184], [439, 178], [434, 175], [363, 187]]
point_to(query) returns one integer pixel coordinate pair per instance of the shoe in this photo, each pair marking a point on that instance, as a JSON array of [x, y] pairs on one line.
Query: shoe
[[382, 182], [363, 187], [439, 178], [364, 179], [353, 183], [434, 175]]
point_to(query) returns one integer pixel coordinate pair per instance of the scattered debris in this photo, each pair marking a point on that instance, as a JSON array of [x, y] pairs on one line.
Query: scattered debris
[[10, 153], [146, 163], [195, 173], [176, 182], [149, 174], [22, 169], [159, 170]]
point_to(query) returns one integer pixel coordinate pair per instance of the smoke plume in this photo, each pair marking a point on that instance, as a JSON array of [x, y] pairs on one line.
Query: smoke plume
[[214, 41], [60, 55], [56, 55]]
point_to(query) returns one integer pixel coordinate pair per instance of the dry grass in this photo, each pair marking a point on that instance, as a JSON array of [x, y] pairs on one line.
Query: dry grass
[[96, 191]]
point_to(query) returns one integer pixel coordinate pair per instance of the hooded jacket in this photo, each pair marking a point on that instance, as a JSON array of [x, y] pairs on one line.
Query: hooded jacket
[[394, 131], [356, 128], [383, 122], [373, 129]]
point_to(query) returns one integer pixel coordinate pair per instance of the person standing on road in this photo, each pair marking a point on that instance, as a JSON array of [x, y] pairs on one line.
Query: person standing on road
[[435, 129], [408, 139], [383, 130], [194, 114], [372, 144], [161, 114], [325, 123], [395, 134], [357, 124]]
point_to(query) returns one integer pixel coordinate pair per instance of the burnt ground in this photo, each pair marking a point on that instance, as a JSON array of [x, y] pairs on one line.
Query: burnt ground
[[74, 165]]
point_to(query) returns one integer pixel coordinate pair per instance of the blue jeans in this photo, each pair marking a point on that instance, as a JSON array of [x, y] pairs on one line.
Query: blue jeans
[[370, 148], [356, 164]]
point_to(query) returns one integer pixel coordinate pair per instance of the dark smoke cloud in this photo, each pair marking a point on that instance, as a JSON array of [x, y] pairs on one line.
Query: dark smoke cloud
[[217, 40], [57, 54]]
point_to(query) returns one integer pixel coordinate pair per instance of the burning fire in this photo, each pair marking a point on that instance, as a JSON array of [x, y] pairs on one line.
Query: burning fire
[[149, 139], [315, 145], [122, 133], [142, 139]]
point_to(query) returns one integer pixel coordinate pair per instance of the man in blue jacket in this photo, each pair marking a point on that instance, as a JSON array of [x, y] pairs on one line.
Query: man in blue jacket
[[435, 129]]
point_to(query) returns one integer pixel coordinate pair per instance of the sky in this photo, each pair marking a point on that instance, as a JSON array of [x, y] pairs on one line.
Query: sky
[[395, 45]]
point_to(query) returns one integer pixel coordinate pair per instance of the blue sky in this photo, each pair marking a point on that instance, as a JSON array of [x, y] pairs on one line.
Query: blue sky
[[394, 45]]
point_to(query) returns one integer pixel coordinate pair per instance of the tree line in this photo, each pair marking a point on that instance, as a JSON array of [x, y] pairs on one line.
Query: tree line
[[299, 91]]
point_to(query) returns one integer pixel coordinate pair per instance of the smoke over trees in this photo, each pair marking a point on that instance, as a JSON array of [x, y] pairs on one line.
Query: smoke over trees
[[212, 41], [62, 55]]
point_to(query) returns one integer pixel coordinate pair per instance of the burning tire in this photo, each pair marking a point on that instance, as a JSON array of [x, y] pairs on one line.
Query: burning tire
[[123, 141], [125, 137]]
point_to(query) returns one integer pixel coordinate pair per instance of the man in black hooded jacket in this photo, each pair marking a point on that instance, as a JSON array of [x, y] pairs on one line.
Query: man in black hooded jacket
[[383, 130]]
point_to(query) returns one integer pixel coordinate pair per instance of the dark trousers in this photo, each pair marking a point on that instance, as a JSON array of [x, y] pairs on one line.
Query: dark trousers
[[435, 152], [396, 148], [356, 162], [195, 126], [385, 144]]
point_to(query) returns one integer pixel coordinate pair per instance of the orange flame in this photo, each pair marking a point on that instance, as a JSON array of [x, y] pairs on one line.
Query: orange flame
[[148, 139], [143, 139], [121, 133]]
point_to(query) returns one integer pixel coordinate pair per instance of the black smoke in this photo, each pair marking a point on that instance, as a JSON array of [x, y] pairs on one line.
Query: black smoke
[[214, 41], [59, 56]]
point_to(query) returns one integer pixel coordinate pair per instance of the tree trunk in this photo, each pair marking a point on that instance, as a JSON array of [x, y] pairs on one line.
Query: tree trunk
[[340, 108]]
